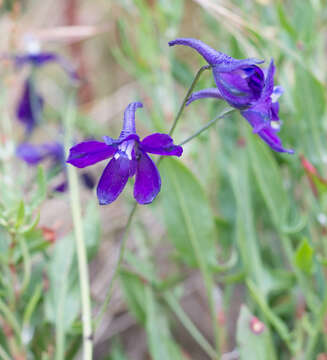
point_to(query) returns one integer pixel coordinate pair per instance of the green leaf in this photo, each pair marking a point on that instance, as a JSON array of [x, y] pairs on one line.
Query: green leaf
[[303, 257], [310, 100], [268, 178], [245, 232], [20, 214], [41, 191], [161, 344], [134, 294], [250, 345], [187, 213], [62, 304]]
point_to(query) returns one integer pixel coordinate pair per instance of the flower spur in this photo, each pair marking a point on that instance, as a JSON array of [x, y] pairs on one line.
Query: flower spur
[[129, 157], [239, 82]]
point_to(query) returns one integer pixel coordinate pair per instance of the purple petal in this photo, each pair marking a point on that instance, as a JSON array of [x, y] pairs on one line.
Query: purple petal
[[161, 144], [88, 180], [30, 106], [129, 119], [44, 58], [31, 154], [209, 54], [202, 94], [90, 152], [269, 81], [147, 181], [240, 87], [267, 133], [114, 179], [62, 187]]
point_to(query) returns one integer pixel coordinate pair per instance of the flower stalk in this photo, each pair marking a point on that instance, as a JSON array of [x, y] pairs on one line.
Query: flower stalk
[[79, 239]]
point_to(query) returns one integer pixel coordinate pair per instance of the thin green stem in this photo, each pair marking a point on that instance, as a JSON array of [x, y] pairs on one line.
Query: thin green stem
[[188, 324], [207, 126], [316, 329], [117, 267], [189, 92], [79, 239]]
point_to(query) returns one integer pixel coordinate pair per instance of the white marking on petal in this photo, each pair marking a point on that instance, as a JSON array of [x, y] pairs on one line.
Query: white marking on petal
[[275, 125], [127, 147]]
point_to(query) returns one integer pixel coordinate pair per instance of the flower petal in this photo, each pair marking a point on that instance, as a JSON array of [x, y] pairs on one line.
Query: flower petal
[[88, 180], [30, 106], [114, 179], [202, 94], [89, 152], [147, 181], [266, 132], [161, 144], [31, 154], [44, 58], [269, 81]]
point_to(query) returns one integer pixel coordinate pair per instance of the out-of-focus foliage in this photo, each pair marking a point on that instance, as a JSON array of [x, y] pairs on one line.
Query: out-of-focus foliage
[[247, 223]]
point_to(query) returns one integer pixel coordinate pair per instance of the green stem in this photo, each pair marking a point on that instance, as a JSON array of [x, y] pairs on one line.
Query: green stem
[[207, 126], [316, 329], [79, 239], [189, 92], [188, 324], [117, 267]]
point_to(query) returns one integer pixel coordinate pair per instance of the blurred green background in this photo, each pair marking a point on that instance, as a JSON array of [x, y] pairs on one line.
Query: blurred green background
[[230, 260]]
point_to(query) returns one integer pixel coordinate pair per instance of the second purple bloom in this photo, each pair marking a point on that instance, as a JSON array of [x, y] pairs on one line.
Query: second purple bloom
[[129, 157]]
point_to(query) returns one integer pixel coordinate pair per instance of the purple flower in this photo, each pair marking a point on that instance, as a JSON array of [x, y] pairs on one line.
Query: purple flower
[[129, 157], [29, 107], [54, 152], [239, 82], [34, 154], [263, 114], [38, 59]]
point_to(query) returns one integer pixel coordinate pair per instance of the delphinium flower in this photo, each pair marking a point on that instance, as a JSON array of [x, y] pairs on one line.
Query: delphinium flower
[[54, 152], [239, 82], [129, 157], [30, 105], [249, 89]]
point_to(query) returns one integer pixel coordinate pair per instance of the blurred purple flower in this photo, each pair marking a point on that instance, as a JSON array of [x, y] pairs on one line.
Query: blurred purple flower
[[54, 152], [239, 82], [263, 114], [30, 106], [39, 59], [129, 157]]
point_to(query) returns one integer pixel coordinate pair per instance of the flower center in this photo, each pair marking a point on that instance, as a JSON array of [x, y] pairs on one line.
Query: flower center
[[125, 149]]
